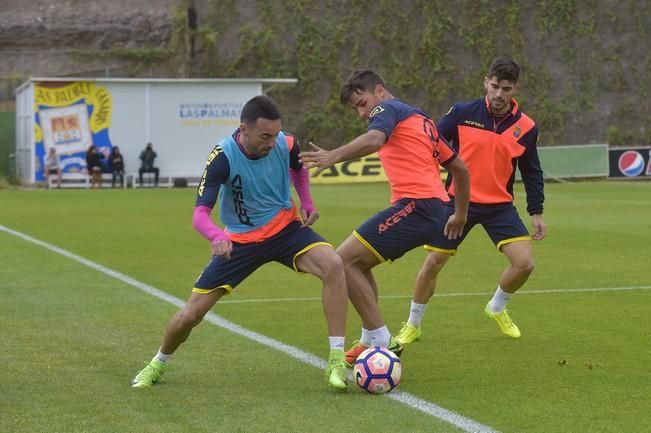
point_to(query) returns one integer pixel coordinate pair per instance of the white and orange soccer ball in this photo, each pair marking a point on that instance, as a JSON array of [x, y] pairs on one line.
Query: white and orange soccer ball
[[377, 370]]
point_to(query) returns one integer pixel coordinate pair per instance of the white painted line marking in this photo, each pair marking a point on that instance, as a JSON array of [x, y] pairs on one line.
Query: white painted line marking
[[446, 295]]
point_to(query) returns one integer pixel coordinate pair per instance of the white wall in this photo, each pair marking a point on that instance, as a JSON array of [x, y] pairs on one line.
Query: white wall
[[157, 113], [183, 119]]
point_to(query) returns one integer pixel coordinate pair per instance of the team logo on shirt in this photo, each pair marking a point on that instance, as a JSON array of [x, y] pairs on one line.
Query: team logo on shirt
[[376, 110], [517, 131], [473, 123]]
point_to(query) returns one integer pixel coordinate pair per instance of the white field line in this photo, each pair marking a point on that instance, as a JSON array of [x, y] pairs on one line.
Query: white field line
[[460, 421], [445, 295]]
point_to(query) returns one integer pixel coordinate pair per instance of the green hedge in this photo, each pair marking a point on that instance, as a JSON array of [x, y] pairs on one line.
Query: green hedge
[[7, 141], [586, 65]]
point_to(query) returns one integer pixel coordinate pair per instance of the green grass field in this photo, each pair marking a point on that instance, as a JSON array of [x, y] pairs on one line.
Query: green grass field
[[73, 337]]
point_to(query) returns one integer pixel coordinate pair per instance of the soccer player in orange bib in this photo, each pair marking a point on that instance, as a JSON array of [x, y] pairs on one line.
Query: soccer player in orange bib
[[492, 136], [410, 150]]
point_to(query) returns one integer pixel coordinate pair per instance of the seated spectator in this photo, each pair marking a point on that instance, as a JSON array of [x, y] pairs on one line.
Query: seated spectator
[[94, 165], [116, 165], [52, 166], [147, 157]]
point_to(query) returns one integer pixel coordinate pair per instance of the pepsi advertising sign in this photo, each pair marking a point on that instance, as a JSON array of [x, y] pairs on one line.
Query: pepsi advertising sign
[[629, 163]]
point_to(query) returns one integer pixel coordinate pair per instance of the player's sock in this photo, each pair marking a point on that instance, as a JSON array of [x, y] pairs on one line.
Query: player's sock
[[163, 357], [337, 343], [358, 347], [380, 337], [416, 314], [498, 303], [365, 339]]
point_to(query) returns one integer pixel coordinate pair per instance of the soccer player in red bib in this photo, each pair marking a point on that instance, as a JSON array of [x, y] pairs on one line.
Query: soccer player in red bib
[[410, 150], [492, 136], [249, 175]]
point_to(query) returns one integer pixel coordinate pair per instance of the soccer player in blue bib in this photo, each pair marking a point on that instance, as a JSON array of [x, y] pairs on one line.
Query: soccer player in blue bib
[[253, 169]]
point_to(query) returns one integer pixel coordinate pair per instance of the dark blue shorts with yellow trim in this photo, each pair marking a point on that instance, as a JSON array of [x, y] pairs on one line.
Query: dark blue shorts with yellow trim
[[283, 248], [501, 222], [408, 224]]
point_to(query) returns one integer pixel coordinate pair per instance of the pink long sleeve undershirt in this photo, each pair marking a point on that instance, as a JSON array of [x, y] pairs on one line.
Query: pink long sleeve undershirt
[[301, 181], [203, 224]]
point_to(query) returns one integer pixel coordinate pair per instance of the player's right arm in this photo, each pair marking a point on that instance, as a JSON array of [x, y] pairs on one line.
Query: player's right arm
[[215, 174], [365, 144], [382, 121]]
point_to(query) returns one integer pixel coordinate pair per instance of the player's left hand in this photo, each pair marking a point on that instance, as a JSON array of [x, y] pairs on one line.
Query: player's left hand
[[540, 229], [222, 248], [309, 219], [454, 227], [318, 158]]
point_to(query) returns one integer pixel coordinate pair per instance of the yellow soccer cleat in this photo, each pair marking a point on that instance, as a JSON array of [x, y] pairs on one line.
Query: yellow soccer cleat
[[336, 373], [504, 322], [149, 375], [408, 334]]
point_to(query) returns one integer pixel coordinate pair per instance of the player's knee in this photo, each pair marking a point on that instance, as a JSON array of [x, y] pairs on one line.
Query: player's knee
[[190, 317], [525, 266], [357, 260], [332, 266], [433, 264]]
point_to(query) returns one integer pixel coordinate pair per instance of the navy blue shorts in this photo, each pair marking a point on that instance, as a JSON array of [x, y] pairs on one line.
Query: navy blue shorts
[[408, 224], [501, 222], [284, 247]]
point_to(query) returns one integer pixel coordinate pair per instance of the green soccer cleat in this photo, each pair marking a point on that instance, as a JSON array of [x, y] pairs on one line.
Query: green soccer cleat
[[408, 334], [149, 375], [336, 374], [504, 322]]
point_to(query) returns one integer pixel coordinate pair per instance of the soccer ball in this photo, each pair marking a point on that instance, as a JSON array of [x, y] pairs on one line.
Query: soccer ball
[[377, 370]]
